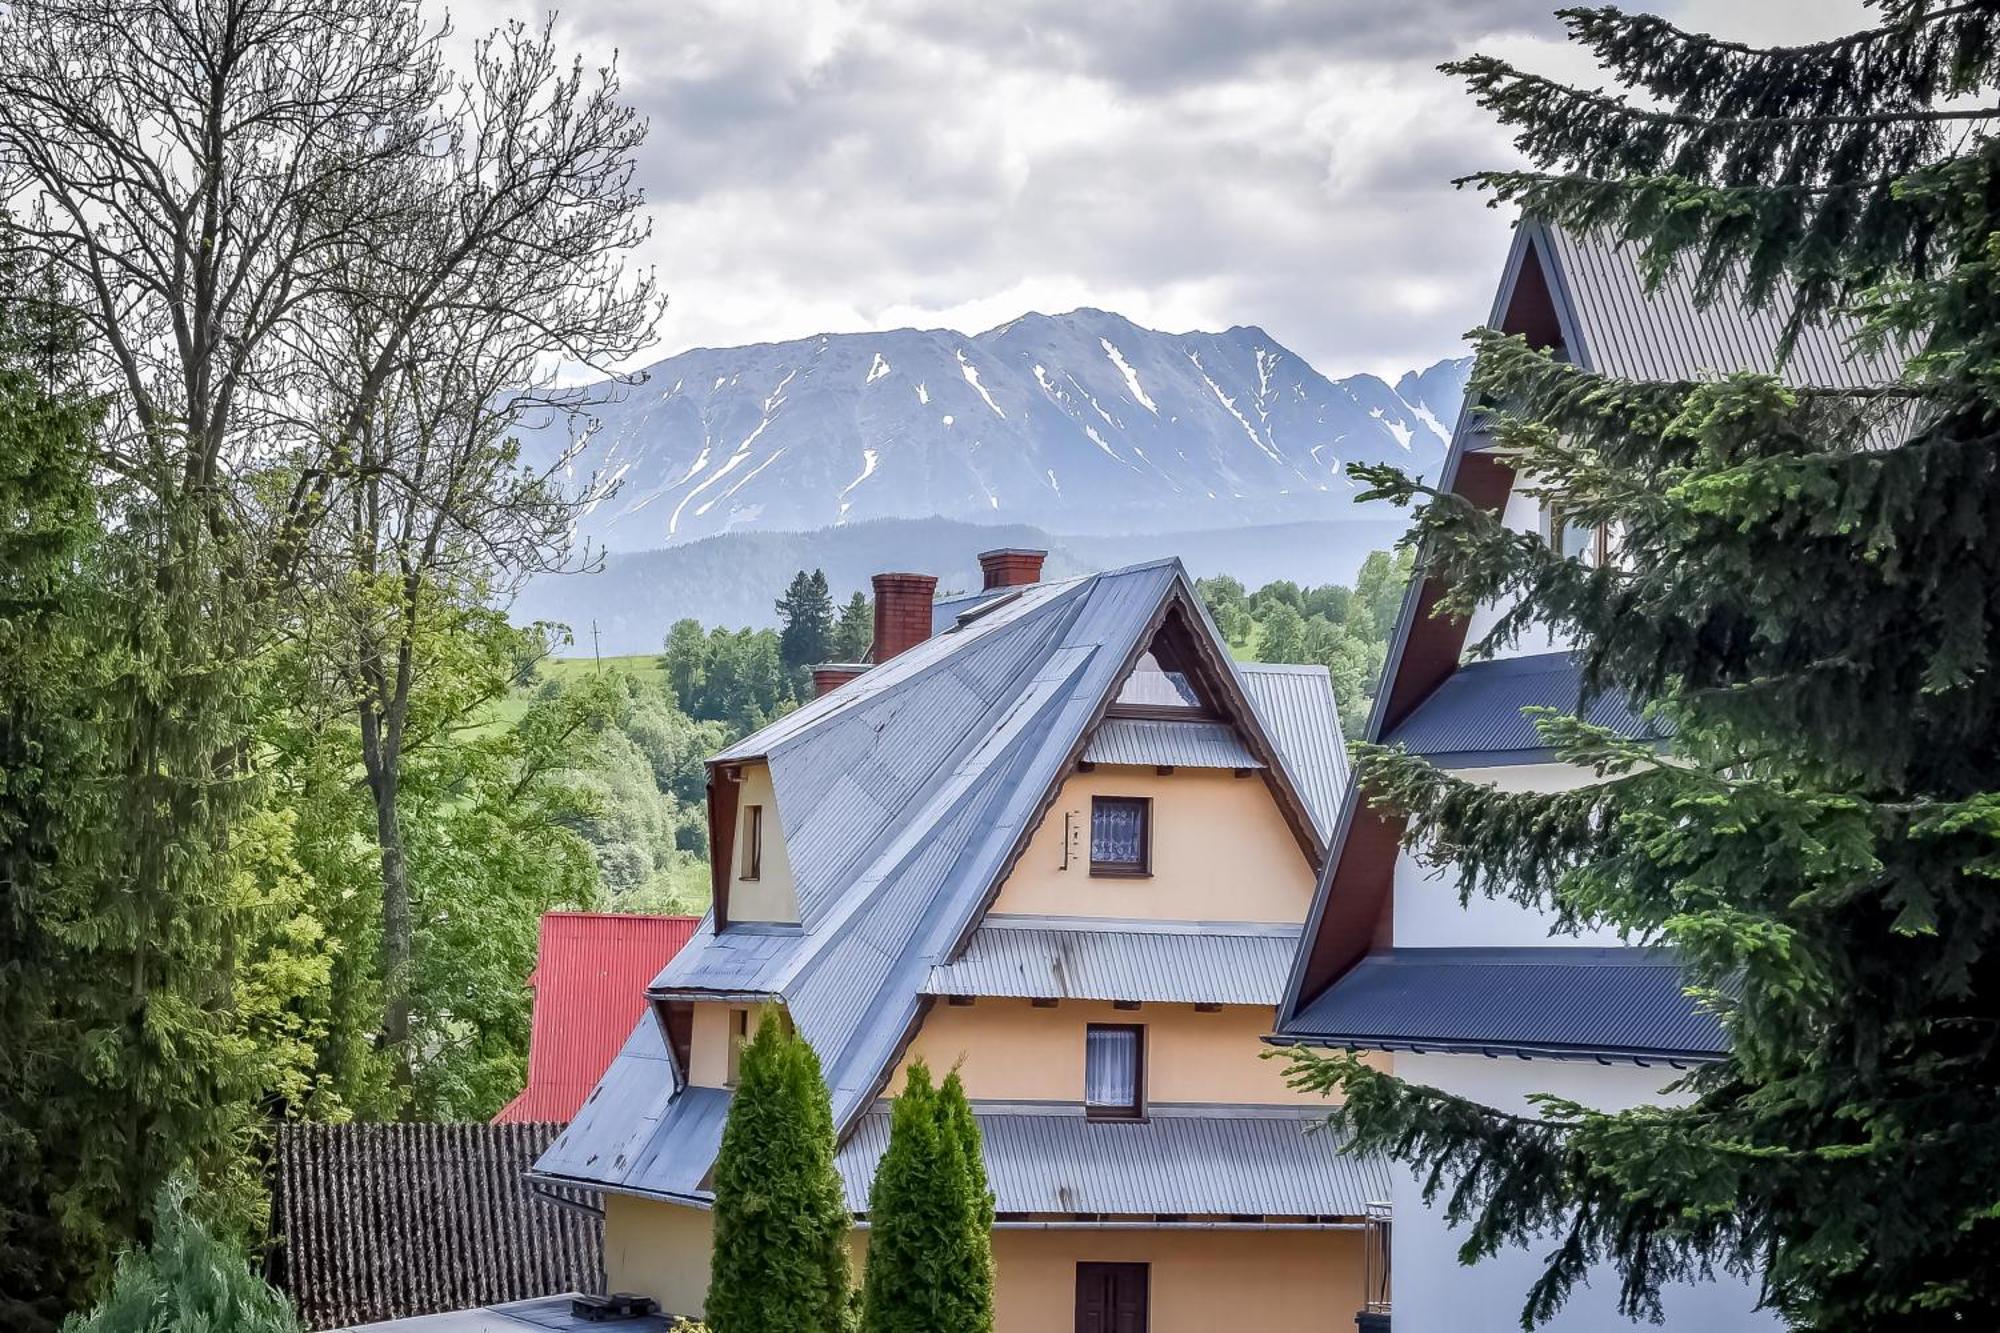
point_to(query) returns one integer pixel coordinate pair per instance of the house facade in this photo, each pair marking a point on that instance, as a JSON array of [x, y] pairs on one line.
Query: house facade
[[1482, 1000], [1056, 839]]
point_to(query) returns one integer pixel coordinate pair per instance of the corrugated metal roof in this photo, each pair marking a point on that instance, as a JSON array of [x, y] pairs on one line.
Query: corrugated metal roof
[[635, 1133], [1557, 1002], [1053, 958], [1240, 1160], [1665, 335], [1296, 705], [1145, 740], [590, 978], [1474, 718]]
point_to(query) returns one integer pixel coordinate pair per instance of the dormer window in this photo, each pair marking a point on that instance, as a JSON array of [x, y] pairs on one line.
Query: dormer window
[[1150, 686], [753, 842], [1121, 836]]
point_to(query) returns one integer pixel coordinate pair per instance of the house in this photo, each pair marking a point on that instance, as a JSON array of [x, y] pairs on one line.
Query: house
[[1056, 838], [1482, 1001], [591, 970]]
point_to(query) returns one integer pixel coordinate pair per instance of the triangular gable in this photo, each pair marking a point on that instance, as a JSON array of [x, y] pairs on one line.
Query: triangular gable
[[1351, 910]]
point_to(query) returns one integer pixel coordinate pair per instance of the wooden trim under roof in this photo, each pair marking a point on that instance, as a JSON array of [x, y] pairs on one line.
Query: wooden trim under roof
[[725, 784]]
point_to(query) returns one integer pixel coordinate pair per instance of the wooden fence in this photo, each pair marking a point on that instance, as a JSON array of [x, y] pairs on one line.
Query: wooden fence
[[386, 1221]]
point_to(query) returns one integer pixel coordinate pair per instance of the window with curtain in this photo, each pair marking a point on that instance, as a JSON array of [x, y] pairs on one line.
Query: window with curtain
[[1119, 835], [1112, 1070]]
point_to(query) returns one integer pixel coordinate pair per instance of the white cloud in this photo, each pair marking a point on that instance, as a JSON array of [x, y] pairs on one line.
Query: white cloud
[[833, 165]]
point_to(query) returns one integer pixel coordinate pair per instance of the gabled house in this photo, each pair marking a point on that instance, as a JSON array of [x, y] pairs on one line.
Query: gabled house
[[591, 970], [1055, 838], [1482, 1000]]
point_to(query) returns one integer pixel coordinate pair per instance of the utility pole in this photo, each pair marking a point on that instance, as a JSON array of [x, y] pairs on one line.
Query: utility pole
[[595, 655]]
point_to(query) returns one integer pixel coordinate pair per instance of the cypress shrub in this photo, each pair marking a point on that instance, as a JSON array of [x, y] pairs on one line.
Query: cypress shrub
[[187, 1280], [930, 1258], [780, 1259]]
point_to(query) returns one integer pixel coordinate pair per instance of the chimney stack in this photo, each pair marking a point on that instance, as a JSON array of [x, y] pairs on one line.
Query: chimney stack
[[902, 613], [830, 676], [1011, 566]]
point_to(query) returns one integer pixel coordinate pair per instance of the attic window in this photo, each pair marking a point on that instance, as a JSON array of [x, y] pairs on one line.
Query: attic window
[[753, 842], [1589, 543], [1150, 686]]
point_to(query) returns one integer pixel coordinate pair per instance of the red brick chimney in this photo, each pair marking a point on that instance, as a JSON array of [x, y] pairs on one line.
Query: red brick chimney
[[1011, 566], [902, 613], [830, 676]]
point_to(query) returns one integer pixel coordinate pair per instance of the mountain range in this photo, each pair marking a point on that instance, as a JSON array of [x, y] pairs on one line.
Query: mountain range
[[1077, 423]]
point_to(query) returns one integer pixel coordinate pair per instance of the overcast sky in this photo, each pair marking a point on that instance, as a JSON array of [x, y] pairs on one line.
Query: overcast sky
[[831, 166]]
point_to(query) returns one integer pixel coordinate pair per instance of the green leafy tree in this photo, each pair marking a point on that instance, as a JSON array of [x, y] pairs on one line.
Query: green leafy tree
[[854, 630], [1805, 588], [930, 1256], [805, 611], [1379, 588], [780, 1253], [188, 1280], [1281, 633]]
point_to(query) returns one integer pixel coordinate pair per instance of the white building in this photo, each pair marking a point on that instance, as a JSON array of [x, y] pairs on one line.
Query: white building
[[1482, 1000]]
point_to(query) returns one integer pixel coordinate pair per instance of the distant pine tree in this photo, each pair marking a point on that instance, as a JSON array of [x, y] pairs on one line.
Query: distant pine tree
[[1807, 585], [930, 1257], [854, 630], [805, 612], [780, 1252]]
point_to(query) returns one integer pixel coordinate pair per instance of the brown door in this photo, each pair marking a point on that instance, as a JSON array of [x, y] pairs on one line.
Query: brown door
[[1111, 1298]]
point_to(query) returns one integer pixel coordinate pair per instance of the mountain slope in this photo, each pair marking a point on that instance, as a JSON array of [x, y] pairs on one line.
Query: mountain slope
[[1082, 422], [733, 579]]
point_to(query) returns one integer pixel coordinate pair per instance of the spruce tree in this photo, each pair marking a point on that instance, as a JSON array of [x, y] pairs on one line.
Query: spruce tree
[[1808, 591], [806, 612], [781, 1221], [854, 630], [930, 1257]]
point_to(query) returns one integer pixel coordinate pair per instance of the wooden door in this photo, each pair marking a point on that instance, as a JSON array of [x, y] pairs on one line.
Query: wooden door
[[1111, 1298]]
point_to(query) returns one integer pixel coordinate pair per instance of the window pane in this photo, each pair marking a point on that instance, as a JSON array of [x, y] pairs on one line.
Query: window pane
[[1111, 1067], [1117, 832]]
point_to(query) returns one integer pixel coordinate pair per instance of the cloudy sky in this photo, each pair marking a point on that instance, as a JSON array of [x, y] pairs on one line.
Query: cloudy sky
[[843, 165]]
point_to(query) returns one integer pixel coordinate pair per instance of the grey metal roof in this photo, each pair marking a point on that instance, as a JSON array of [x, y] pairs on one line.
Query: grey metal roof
[[1474, 718], [634, 1133], [1214, 1160], [1558, 1002], [1083, 959], [1619, 328], [1296, 705], [1145, 740]]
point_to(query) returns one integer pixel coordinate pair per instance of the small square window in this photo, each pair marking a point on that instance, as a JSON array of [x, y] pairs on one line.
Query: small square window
[[1114, 1071], [1121, 835], [753, 842], [1589, 543]]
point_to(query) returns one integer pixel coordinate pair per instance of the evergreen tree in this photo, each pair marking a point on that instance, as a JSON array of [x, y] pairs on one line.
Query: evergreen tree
[[854, 630], [1808, 589], [186, 1280], [781, 1221], [930, 1257], [806, 612]]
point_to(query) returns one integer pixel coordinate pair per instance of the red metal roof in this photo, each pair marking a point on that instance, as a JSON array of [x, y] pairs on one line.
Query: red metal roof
[[590, 983]]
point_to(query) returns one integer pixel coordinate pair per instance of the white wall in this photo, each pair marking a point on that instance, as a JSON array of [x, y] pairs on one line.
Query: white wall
[[1427, 913], [1433, 1293], [1522, 514]]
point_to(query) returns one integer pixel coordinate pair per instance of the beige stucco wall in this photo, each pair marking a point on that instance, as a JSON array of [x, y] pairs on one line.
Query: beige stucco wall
[[1201, 1281], [1011, 1051], [658, 1250], [1221, 852], [771, 896], [708, 1044]]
